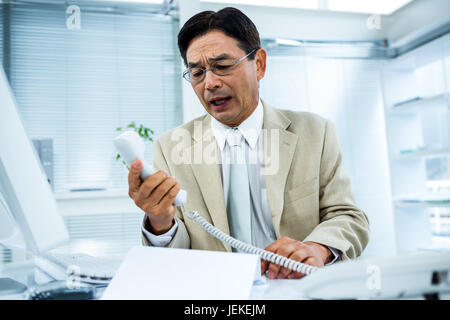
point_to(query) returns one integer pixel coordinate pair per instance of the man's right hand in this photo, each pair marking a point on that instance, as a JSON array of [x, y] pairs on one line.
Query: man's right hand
[[154, 196]]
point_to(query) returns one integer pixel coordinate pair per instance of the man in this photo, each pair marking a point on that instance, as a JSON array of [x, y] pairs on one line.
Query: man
[[291, 197]]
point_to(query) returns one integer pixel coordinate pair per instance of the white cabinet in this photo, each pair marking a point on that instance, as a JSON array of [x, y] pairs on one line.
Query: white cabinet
[[416, 89]]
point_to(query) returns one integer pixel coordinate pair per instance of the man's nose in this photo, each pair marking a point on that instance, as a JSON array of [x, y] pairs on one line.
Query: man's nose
[[212, 81]]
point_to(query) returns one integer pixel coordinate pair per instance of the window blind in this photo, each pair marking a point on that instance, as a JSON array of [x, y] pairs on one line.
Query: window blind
[[2, 30], [77, 86], [103, 234]]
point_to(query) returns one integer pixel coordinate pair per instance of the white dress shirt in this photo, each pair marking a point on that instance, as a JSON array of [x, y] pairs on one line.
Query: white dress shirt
[[263, 232]]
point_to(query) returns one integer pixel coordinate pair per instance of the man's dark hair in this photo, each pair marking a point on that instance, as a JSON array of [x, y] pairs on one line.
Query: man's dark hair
[[229, 20]]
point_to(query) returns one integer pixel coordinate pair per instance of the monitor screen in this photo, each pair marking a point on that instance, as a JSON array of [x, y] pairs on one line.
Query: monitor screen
[[27, 194]]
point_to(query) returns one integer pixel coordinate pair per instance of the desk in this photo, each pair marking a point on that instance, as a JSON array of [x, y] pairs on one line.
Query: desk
[[27, 273], [24, 272]]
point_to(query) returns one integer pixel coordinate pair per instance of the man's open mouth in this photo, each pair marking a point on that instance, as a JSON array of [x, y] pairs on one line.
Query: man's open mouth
[[220, 101]]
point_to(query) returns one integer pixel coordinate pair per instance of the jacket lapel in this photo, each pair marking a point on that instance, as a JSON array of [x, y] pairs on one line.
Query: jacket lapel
[[279, 149], [207, 172]]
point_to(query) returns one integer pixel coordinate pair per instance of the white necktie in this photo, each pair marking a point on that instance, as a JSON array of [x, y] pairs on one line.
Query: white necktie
[[238, 202]]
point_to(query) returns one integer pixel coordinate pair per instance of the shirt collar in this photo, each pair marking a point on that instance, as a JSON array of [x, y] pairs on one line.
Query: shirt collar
[[249, 128]]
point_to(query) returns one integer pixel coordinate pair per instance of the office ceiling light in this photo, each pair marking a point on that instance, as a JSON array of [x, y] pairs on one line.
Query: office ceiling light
[[287, 42], [367, 6], [359, 6], [147, 1], [302, 4]]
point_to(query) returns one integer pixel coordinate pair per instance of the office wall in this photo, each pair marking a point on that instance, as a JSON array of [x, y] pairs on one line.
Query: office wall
[[292, 23], [192, 108]]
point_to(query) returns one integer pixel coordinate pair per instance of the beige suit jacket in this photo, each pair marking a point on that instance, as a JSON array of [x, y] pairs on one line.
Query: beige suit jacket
[[309, 193]]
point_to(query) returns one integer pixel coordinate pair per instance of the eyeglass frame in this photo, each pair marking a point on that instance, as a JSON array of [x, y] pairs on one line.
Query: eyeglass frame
[[212, 68]]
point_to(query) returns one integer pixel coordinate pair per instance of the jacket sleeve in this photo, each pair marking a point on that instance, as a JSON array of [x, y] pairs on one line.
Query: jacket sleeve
[[342, 224]]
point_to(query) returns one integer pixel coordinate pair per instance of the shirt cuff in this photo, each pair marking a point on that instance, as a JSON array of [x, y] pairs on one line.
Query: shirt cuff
[[336, 254], [161, 240]]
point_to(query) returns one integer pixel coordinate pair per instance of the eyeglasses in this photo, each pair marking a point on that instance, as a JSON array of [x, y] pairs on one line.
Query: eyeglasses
[[220, 67]]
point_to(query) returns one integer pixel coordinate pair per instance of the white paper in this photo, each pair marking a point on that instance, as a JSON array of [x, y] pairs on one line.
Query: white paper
[[278, 289], [167, 273]]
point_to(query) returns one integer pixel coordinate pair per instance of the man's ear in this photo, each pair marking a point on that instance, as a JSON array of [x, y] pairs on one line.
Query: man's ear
[[260, 59]]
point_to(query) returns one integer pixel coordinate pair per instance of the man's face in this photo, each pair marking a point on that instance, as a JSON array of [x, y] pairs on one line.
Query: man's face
[[236, 94]]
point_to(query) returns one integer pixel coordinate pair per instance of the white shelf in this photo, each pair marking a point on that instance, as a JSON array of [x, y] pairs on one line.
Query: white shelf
[[417, 114], [118, 193], [422, 200], [421, 204], [95, 202], [441, 242], [414, 105], [418, 154]]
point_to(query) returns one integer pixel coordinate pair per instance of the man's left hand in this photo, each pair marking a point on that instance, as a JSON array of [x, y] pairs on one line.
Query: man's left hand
[[309, 252]]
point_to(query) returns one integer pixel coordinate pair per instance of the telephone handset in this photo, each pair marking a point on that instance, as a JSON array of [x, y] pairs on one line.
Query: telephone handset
[[131, 147], [244, 247]]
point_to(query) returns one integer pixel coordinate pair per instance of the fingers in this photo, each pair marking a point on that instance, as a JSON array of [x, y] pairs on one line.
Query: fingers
[[300, 256], [152, 190], [155, 196], [170, 196], [134, 181], [161, 192], [284, 247], [294, 250], [288, 250], [273, 247], [311, 260]]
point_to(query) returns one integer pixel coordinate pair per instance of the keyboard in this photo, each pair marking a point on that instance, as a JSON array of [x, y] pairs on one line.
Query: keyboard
[[86, 268]]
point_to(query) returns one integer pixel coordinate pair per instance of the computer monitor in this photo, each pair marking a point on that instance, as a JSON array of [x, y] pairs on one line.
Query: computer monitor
[[24, 188]]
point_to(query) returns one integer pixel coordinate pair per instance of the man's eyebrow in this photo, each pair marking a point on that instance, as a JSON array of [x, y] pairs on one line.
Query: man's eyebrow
[[193, 64], [223, 56]]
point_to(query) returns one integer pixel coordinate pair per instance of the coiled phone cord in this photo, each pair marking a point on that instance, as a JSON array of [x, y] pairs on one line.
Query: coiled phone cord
[[239, 245]]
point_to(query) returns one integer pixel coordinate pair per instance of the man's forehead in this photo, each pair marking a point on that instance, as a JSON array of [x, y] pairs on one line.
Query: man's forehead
[[212, 45]]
